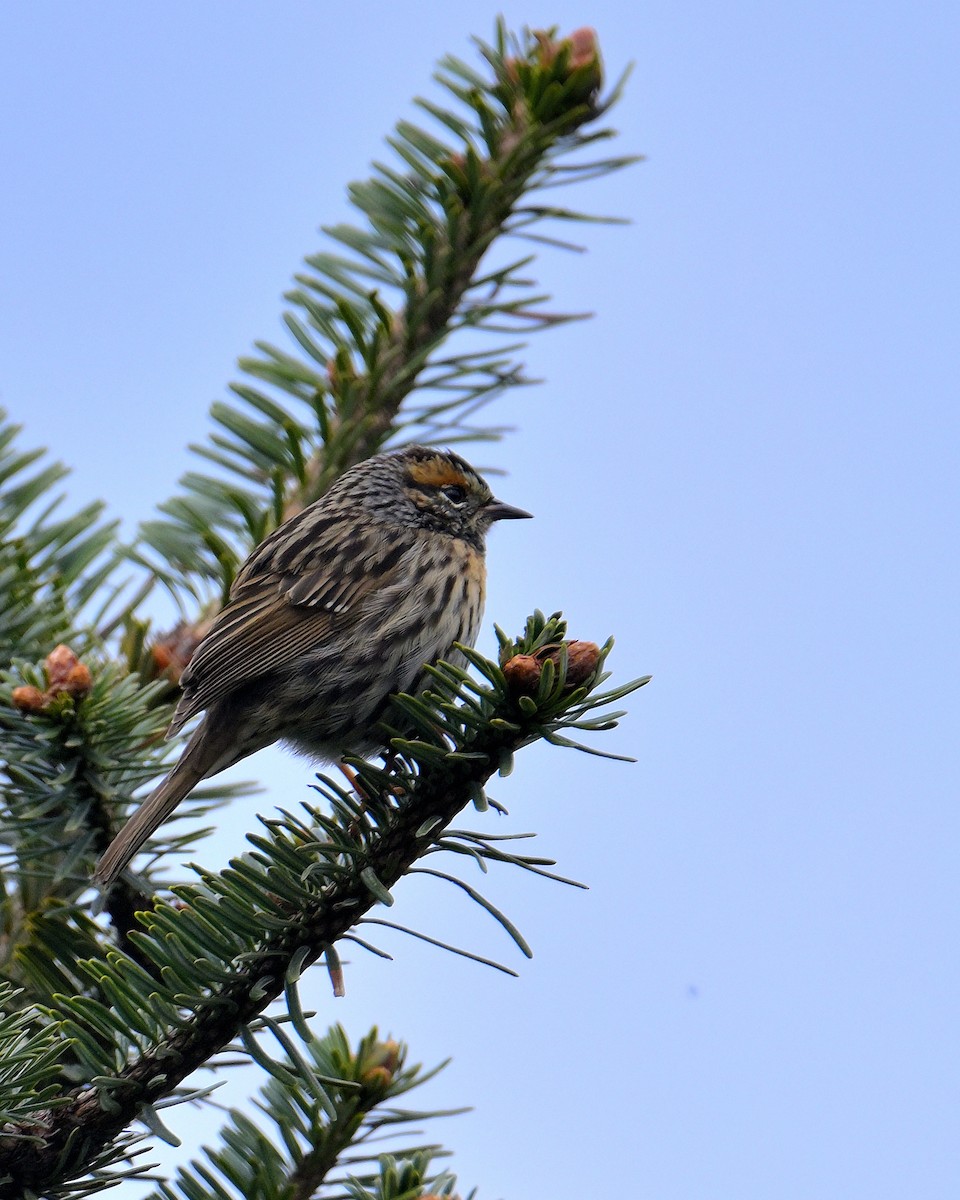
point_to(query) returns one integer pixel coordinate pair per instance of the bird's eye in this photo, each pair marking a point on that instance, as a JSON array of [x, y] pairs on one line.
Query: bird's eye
[[455, 493]]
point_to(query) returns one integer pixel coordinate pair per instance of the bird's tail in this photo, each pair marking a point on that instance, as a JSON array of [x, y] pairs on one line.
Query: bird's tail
[[199, 759]]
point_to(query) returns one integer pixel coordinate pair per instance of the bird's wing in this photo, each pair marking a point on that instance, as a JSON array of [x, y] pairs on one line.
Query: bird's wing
[[282, 604]]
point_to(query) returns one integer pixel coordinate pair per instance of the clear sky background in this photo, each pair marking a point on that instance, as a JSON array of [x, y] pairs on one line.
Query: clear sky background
[[745, 468]]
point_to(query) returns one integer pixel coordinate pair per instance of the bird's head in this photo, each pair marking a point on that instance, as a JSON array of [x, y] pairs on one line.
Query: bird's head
[[448, 495]]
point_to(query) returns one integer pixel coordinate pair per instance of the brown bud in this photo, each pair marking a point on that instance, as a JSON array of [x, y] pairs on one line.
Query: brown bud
[[162, 656], [389, 1052], [585, 57], [29, 699], [172, 652], [380, 1064], [66, 673], [583, 658], [583, 47], [522, 673], [78, 681], [58, 665]]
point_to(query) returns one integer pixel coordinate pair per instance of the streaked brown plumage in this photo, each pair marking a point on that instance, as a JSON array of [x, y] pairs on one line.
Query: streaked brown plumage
[[334, 612]]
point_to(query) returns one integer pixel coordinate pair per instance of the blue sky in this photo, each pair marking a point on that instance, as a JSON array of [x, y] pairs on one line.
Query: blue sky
[[744, 468]]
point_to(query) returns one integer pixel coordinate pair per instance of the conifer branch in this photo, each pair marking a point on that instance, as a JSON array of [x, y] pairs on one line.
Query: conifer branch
[[95, 1036], [370, 319], [307, 885]]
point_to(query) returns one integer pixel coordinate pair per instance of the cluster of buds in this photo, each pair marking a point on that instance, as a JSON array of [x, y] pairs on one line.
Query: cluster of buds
[[523, 671], [66, 675], [578, 52], [380, 1065]]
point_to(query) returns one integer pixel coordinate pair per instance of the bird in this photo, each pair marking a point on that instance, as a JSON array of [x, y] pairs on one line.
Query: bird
[[334, 612]]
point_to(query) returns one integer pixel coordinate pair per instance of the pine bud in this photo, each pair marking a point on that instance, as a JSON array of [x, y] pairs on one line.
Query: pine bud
[[28, 699], [583, 658], [172, 652], [79, 680], [523, 671], [380, 1065], [66, 673]]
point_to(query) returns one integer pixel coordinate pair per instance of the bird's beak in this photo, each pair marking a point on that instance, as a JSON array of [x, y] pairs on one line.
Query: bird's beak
[[496, 510]]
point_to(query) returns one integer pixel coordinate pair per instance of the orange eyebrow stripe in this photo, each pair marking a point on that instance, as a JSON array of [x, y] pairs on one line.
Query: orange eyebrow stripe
[[437, 473]]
